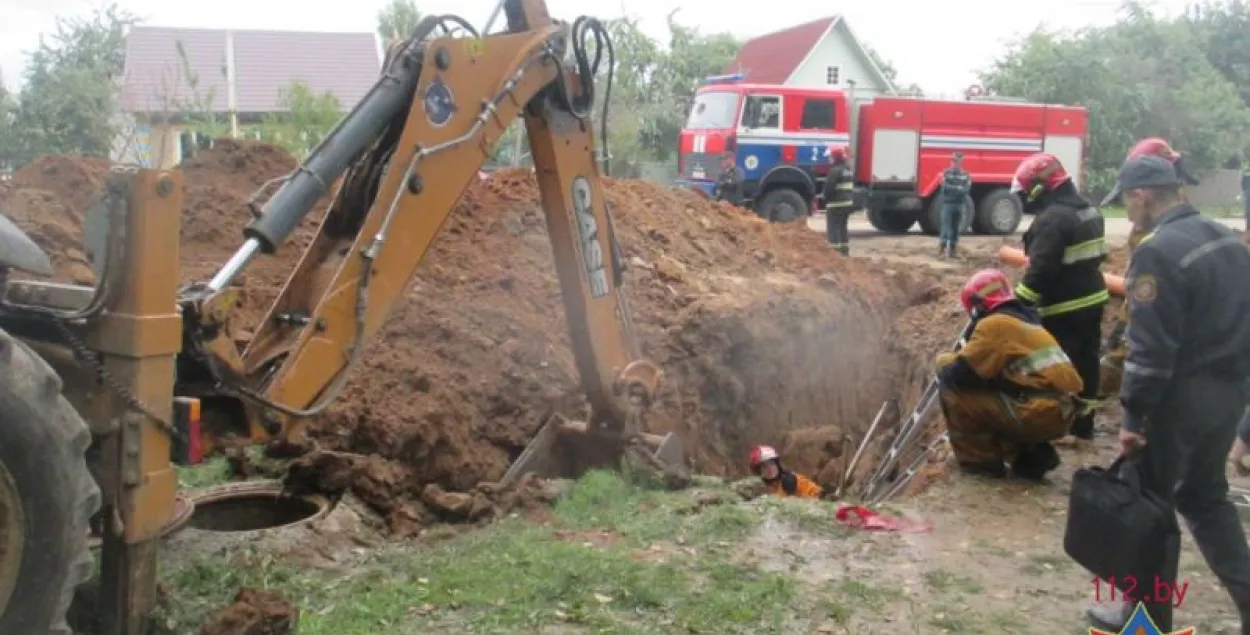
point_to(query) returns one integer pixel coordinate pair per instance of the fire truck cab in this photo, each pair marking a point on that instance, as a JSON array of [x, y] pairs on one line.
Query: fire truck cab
[[776, 138]]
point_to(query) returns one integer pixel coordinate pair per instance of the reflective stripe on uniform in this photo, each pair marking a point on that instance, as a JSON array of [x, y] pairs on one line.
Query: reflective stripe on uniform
[[1027, 294], [1091, 300], [1087, 250], [1039, 360], [1146, 371], [833, 204], [844, 185]]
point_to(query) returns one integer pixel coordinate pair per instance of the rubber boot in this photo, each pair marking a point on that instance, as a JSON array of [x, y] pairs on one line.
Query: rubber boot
[[1035, 461], [941, 251], [952, 254]]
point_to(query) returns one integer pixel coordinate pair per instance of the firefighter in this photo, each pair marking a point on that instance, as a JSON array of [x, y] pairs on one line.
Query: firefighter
[[839, 199], [1184, 379], [1010, 390], [1245, 198], [1115, 348], [729, 186], [1065, 245], [956, 183], [766, 463]]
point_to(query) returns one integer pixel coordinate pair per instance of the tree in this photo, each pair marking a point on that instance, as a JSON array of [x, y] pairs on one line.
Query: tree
[[69, 102], [1139, 77], [305, 120], [8, 108], [397, 20], [1222, 28]]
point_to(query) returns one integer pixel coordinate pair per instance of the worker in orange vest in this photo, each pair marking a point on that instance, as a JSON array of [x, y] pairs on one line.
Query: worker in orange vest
[[766, 463]]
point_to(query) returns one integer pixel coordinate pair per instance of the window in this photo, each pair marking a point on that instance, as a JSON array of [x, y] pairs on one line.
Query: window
[[833, 75], [818, 115], [762, 111], [713, 110]]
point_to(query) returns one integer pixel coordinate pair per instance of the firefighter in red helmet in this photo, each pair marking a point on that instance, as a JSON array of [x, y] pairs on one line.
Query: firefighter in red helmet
[[1066, 245], [1115, 348], [1010, 390], [839, 199], [766, 463]]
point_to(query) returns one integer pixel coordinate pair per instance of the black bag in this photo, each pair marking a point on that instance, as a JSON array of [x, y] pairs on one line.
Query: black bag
[[1117, 529]]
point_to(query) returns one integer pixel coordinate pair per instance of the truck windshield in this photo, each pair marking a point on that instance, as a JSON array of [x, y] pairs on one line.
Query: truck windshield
[[713, 110]]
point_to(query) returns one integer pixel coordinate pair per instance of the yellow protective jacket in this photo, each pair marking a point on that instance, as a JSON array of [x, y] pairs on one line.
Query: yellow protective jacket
[[792, 484], [1010, 356]]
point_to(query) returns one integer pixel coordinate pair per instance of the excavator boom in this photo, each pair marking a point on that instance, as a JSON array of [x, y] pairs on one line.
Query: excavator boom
[[402, 159]]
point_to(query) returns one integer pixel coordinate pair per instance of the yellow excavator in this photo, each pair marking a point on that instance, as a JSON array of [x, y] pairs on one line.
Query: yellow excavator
[[106, 388]]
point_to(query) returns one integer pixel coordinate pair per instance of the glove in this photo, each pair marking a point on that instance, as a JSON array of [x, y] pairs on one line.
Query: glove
[[945, 359]]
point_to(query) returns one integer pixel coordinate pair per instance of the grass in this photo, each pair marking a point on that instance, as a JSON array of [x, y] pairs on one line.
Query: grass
[[517, 577]]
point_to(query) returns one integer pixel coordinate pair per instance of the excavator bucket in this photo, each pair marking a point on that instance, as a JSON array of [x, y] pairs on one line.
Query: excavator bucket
[[536, 458]]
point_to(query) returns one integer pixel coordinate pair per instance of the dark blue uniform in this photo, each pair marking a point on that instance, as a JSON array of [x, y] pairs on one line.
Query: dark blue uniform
[[1184, 384]]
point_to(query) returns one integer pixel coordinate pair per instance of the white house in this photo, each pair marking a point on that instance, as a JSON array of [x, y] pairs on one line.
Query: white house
[[823, 53]]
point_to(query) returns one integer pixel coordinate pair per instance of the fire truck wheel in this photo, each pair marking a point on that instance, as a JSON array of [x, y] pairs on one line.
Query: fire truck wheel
[[998, 214], [931, 220], [891, 221], [782, 205]]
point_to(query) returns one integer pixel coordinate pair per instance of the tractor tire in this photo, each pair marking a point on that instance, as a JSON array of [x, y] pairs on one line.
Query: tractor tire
[[782, 205], [931, 218], [891, 221], [999, 214], [47, 495]]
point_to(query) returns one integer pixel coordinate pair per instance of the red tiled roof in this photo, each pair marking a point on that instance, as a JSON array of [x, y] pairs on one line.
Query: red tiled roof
[[772, 58], [265, 63]]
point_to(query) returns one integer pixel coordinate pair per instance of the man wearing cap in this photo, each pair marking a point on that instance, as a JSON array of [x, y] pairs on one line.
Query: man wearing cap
[[956, 183], [1184, 377], [1114, 348]]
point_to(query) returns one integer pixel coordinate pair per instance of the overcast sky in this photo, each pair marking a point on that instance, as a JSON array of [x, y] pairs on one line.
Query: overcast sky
[[939, 45]]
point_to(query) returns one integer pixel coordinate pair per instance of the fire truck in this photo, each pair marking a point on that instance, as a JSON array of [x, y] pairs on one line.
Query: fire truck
[[777, 137]]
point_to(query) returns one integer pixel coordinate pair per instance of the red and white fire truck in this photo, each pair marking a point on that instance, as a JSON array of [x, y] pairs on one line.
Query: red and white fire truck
[[777, 137]]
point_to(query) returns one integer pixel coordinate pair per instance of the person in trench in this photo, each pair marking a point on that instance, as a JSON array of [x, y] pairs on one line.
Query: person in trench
[[1011, 390], [766, 463]]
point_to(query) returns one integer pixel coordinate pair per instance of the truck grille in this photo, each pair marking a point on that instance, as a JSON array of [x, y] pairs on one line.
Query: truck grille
[[701, 166]]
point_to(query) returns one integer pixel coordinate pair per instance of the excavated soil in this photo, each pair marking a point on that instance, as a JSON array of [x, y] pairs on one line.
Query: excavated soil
[[254, 612], [760, 329]]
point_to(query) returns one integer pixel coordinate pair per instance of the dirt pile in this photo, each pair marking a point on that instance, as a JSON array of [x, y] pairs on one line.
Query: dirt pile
[[48, 199], [254, 612], [760, 329]]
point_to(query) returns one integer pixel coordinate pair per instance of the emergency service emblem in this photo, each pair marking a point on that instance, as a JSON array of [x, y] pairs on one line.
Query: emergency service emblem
[[1139, 623], [1145, 288], [751, 162]]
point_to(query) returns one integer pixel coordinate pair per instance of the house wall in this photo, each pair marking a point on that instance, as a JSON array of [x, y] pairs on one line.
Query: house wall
[[837, 49], [148, 145]]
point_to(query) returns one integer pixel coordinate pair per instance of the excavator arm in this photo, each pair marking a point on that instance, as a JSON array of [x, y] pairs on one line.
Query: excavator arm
[[401, 160]]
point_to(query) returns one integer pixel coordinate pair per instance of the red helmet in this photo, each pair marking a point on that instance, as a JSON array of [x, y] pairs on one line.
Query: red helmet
[[1038, 173], [987, 290], [1154, 146], [837, 153], [762, 454]]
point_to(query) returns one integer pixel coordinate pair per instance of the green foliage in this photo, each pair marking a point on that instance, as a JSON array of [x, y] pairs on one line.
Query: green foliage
[[1139, 77], [304, 121], [397, 20], [68, 103], [653, 88]]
